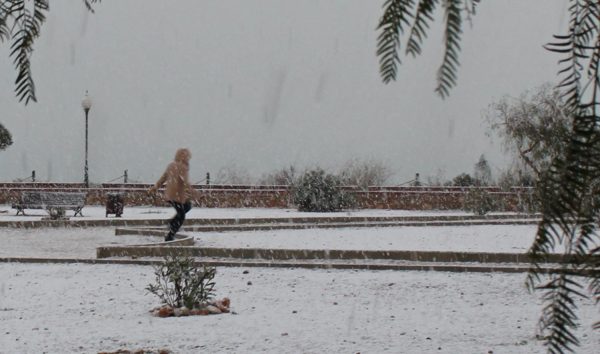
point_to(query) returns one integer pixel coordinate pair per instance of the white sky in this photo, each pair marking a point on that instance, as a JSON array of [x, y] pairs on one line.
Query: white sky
[[261, 85]]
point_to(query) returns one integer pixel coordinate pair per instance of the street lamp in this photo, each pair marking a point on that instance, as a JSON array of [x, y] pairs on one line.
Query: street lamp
[[86, 104]]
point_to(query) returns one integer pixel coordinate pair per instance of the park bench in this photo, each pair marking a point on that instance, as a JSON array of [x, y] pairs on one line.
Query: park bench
[[54, 202]]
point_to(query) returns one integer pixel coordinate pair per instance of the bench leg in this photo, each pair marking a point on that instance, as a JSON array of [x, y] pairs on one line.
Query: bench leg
[[21, 210], [78, 211]]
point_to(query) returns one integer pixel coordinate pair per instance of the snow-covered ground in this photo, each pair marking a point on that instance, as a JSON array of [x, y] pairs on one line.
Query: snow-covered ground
[[76, 308], [482, 238], [61, 242], [82, 308], [82, 242]]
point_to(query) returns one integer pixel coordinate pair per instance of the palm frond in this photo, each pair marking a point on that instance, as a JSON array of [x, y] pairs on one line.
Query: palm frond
[[39, 8], [471, 9], [20, 23], [418, 31], [5, 138], [396, 17], [570, 203], [573, 46], [446, 76], [591, 21], [89, 4], [559, 315], [28, 25], [594, 284], [4, 30], [564, 207]]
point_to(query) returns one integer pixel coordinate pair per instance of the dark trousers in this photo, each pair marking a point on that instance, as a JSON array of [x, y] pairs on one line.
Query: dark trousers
[[177, 221]]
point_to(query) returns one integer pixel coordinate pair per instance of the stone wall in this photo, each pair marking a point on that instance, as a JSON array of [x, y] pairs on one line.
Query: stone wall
[[239, 196]]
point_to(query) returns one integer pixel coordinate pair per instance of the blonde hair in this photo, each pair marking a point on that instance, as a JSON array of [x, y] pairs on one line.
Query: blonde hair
[[183, 155]]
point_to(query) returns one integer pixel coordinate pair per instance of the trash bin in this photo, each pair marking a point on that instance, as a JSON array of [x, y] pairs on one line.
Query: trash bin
[[114, 204]]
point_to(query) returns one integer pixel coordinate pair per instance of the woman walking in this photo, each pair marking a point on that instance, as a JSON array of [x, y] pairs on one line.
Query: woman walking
[[178, 191]]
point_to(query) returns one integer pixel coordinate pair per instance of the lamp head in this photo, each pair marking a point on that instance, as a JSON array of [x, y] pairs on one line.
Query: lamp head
[[86, 103]]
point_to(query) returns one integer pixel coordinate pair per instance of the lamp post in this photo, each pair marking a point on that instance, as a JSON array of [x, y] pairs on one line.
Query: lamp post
[[86, 104]]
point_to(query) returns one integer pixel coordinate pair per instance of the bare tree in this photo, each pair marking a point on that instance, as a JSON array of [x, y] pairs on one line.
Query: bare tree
[[534, 127], [364, 173], [285, 176], [233, 174], [482, 172]]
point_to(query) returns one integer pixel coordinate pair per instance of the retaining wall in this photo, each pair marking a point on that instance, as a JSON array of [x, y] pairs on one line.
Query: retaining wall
[[239, 196]]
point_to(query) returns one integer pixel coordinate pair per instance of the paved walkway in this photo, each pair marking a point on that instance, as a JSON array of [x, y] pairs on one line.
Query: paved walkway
[[92, 240]]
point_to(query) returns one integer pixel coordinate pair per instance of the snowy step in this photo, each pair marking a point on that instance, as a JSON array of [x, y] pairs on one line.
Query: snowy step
[[418, 220], [315, 254], [310, 264], [331, 225]]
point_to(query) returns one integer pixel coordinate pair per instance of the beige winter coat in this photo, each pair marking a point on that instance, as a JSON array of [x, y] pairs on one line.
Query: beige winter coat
[[176, 178]]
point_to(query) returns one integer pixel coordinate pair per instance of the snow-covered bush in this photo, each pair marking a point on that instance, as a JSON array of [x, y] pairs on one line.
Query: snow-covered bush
[[317, 191], [180, 282], [463, 180], [479, 201]]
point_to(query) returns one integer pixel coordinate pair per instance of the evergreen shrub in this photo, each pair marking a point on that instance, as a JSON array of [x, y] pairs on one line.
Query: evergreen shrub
[[180, 282], [479, 201], [317, 191]]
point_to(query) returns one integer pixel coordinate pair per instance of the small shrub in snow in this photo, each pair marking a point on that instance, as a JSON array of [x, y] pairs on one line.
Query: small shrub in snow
[[479, 201], [320, 192], [181, 283]]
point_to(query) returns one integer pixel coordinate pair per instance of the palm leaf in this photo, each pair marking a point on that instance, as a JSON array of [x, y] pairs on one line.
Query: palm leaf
[[20, 24], [446, 77], [559, 315], [418, 31], [395, 18], [21, 50], [570, 203], [89, 4]]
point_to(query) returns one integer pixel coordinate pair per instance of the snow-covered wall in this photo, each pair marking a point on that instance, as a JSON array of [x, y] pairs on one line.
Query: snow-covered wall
[[238, 196]]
